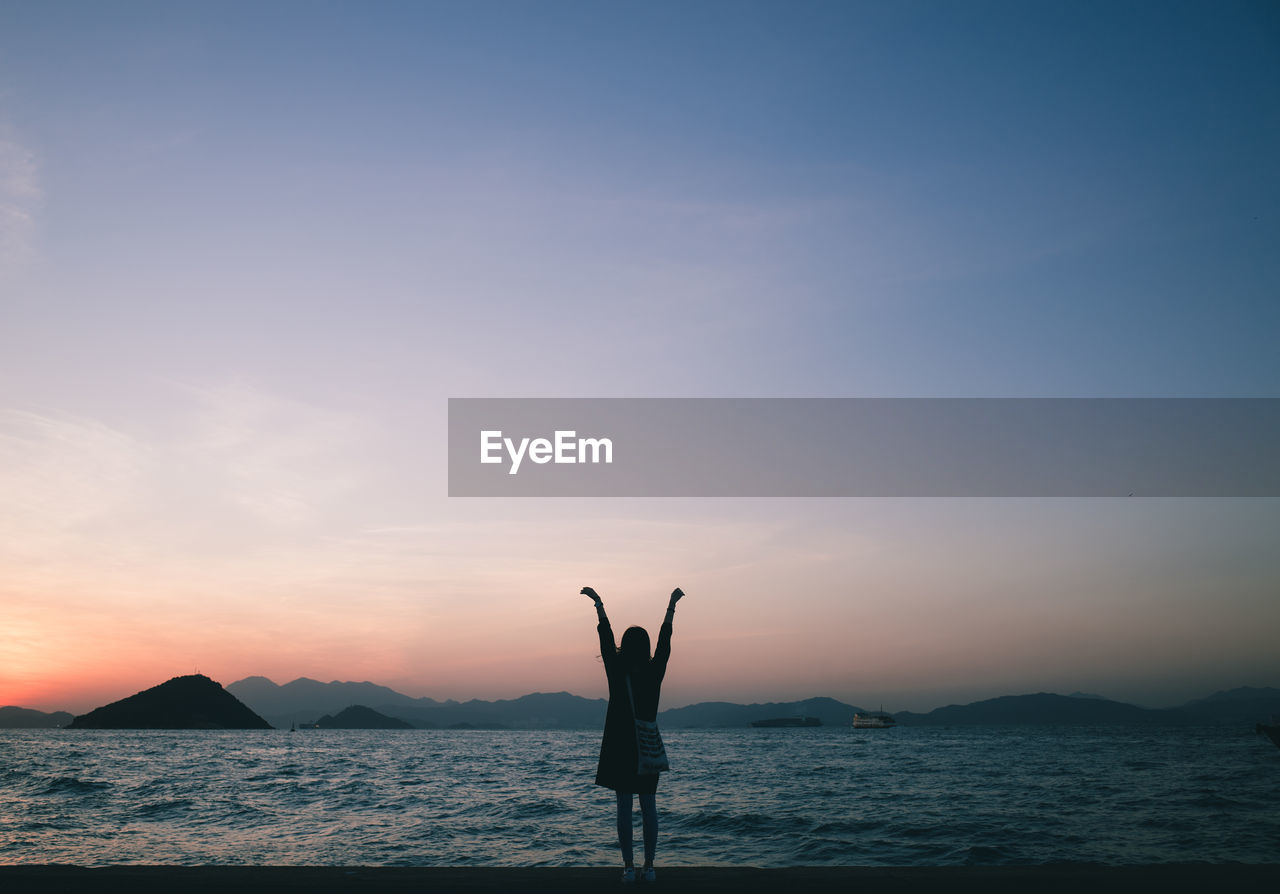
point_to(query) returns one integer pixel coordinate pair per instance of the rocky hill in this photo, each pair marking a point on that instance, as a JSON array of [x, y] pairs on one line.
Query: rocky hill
[[191, 702]]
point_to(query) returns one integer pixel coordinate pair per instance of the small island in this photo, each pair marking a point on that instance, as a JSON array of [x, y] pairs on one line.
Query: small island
[[774, 722], [190, 702], [360, 717]]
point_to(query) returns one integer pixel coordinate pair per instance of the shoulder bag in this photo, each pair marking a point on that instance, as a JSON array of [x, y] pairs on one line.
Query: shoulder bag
[[652, 753]]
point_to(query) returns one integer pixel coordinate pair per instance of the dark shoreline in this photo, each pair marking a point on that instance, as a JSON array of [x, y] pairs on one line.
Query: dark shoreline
[[1074, 877]]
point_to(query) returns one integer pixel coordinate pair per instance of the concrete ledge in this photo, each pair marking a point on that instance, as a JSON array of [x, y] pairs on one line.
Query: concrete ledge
[[1073, 877]]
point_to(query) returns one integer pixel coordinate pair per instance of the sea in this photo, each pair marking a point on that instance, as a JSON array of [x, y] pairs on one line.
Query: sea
[[910, 796]]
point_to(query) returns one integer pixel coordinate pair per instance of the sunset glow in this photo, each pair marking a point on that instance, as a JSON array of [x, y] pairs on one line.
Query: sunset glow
[[248, 253]]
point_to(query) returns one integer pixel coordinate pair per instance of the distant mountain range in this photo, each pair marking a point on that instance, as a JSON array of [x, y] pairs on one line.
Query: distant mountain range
[[303, 701], [726, 714], [1237, 706], [27, 718]]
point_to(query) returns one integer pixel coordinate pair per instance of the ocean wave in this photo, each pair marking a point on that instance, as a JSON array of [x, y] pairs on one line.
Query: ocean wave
[[73, 785], [163, 809], [980, 855]]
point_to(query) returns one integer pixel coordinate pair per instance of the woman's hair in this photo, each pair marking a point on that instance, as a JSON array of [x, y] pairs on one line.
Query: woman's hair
[[635, 646]]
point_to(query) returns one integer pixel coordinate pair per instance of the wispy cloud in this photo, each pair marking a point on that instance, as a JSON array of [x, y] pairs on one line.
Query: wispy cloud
[[58, 472], [280, 460], [20, 196], [238, 471]]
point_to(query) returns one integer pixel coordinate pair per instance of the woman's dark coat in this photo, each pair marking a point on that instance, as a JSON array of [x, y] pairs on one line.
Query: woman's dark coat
[[618, 754]]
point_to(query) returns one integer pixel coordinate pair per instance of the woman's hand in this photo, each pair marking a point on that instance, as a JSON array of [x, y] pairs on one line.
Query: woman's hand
[[595, 597], [676, 595]]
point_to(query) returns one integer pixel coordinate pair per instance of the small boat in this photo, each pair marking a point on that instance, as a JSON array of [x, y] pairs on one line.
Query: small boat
[[874, 720], [788, 721]]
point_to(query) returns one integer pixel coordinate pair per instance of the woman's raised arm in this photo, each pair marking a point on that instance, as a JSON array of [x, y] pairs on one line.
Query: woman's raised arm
[[662, 651], [608, 648]]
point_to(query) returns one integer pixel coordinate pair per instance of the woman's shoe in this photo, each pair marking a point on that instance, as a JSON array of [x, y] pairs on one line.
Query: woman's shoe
[[648, 874], [628, 875]]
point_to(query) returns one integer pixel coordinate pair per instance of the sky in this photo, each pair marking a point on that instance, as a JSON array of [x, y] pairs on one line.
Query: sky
[[248, 251]]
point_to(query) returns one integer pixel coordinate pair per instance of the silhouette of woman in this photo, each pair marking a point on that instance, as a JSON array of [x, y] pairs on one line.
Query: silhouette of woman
[[618, 752]]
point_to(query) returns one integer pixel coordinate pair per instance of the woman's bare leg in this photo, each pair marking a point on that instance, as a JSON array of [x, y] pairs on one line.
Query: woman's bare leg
[[624, 827], [649, 815]]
